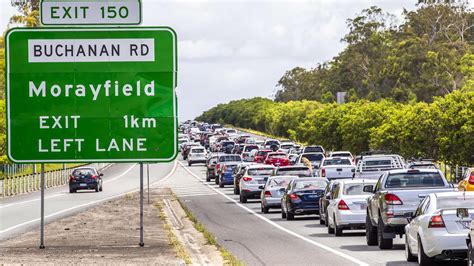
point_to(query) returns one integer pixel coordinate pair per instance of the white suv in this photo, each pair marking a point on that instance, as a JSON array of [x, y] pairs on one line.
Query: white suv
[[253, 179], [197, 155]]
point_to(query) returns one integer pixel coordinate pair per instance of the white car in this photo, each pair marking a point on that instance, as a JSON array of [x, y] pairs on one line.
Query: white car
[[286, 146], [273, 190], [439, 227], [341, 154], [254, 177], [337, 168], [197, 155], [347, 207]]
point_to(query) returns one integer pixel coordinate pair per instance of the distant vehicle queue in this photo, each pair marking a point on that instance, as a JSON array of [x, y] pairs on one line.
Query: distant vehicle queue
[[376, 191]]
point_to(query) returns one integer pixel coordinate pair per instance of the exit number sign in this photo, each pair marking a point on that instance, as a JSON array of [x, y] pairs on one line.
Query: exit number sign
[[91, 94], [91, 12]]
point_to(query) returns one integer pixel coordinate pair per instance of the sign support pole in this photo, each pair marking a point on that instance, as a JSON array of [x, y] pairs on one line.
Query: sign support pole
[[148, 180], [141, 206], [42, 208]]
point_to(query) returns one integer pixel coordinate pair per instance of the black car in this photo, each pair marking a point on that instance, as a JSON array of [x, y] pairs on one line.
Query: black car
[[302, 197], [85, 178], [324, 202], [239, 171]]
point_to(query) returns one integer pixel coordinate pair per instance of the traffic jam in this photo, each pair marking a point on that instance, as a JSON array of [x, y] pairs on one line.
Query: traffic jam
[[382, 193]]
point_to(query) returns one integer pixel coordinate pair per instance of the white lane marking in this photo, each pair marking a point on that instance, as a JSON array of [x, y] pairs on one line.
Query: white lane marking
[[355, 260], [85, 204], [61, 194]]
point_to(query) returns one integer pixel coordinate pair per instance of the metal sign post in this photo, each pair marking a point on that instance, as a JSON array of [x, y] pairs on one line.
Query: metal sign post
[[148, 181], [141, 206], [42, 208]]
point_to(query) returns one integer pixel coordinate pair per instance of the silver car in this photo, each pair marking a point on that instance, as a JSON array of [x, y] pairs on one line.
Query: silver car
[[254, 177], [273, 191], [197, 155], [347, 207]]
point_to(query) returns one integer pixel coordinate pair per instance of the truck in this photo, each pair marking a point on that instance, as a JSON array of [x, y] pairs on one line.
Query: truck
[[373, 166], [336, 168], [395, 198]]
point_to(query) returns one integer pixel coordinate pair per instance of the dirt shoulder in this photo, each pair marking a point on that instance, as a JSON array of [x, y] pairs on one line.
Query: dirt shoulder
[[109, 234]]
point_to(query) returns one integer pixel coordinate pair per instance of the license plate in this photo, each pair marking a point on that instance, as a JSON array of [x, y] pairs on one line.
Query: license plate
[[312, 196], [262, 182], [83, 185]]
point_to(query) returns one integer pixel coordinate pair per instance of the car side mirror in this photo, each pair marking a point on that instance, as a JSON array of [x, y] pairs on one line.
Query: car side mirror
[[101, 174], [369, 188], [261, 187], [282, 189], [353, 170]]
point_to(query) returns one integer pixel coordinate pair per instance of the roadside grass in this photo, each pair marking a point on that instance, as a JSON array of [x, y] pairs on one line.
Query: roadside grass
[[172, 239], [228, 258]]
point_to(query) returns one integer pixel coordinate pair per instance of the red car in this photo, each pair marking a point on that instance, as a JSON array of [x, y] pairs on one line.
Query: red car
[[261, 155], [277, 159]]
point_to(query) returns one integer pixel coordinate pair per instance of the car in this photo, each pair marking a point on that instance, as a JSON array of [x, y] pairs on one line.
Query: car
[[294, 170], [226, 146], [277, 159], [421, 165], [347, 208], [186, 148], [239, 171], [211, 166], [315, 158], [467, 182], [337, 168], [470, 246], [261, 155], [439, 227], [197, 155], [226, 176], [324, 201], [372, 166], [397, 194], [226, 159], [181, 141], [247, 152], [286, 146], [314, 149], [341, 154], [271, 144], [254, 177], [272, 192], [301, 197], [85, 178]]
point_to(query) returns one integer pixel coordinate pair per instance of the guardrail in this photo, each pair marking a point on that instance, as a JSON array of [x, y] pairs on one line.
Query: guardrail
[[13, 184]]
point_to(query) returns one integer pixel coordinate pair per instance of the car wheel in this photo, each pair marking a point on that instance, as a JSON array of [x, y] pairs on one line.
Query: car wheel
[[337, 229], [422, 258], [264, 209], [283, 213], [330, 229], [370, 232], [208, 178], [221, 185], [321, 221], [101, 187], [72, 190], [217, 180], [290, 216], [189, 164], [408, 255], [236, 191], [97, 188], [242, 198], [383, 243], [470, 259]]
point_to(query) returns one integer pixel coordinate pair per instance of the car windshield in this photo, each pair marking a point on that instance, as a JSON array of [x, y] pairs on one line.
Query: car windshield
[[378, 162], [277, 156], [310, 185], [354, 189], [262, 153], [416, 179], [260, 171], [227, 143], [79, 172], [342, 154], [456, 202], [230, 158], [271, 142], [313, 157], [230, 168], [198, 151], [231, 131], [250, 148], [286, 146], [294, 171], [280, 181], [340, 161], [313, 149]]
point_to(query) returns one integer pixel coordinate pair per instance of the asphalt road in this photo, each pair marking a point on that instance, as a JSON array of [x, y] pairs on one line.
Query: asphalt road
[[267, 239], [22, 213]]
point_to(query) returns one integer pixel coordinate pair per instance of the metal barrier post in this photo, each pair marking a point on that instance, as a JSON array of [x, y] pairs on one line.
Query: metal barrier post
[[42, 208], [141, 206]]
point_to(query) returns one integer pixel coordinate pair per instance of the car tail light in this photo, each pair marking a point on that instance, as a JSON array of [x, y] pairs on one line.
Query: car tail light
[[71, 177], [218, 166], [392, 199], [268, 194], [471, 179], [293, 196], [94, 177], [342, 205], [247, 178], [436, 221], [323, 172]]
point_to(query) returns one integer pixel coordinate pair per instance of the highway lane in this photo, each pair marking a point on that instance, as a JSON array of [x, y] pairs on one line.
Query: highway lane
[[266, 241], [22, 213]]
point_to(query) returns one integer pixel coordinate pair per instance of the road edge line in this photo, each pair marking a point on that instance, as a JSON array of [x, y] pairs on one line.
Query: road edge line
[[340, 254]]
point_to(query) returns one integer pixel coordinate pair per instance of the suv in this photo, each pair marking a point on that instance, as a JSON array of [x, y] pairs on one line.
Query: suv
[[197, 155], [253, 179], [85, 178]]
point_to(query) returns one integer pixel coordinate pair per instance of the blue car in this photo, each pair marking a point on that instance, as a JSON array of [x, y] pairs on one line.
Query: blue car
[[301, 197], [226, 177], [85, 178]]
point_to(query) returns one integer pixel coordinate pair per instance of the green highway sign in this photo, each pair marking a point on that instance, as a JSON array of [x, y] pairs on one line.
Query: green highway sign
[[91, 12], [91, 94]]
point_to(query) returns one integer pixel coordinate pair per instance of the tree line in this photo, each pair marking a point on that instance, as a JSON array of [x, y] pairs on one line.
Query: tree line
[[425, 56], [442, 130]]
